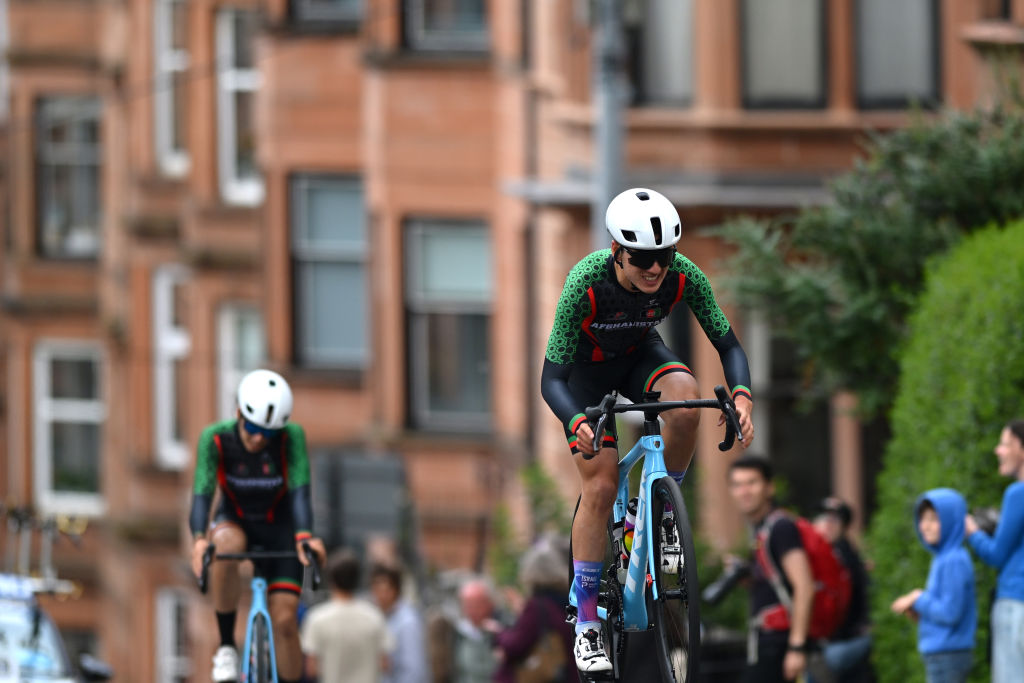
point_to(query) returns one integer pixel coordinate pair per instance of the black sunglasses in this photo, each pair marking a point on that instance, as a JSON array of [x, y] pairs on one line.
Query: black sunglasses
[[645, 258]]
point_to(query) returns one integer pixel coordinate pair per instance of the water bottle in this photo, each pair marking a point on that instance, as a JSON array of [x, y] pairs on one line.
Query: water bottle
[[629, 525], [619, 551]]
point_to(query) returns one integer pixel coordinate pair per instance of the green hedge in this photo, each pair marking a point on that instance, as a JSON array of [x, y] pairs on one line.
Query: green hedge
[[961, 379]]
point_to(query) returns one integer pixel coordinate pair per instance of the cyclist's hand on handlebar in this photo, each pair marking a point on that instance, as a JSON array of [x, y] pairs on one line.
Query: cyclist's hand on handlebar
[[585, 439], [744, 411], [199, 547], [316, 545]]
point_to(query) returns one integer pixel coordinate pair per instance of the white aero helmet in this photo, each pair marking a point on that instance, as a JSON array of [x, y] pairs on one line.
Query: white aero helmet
[[643, 219], [265, 399]]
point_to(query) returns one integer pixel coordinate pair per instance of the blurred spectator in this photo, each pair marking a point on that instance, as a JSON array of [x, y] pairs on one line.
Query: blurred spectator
[[847, 653], [1004, 550], [475, 658], [544, 576], [409, 657], [345, 639]]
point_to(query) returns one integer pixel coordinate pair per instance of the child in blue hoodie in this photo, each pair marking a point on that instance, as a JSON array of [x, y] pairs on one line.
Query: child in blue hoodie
[[945, 610]]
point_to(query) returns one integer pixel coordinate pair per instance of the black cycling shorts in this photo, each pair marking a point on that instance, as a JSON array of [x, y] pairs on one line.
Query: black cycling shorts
[[282, 573], [631, 375]]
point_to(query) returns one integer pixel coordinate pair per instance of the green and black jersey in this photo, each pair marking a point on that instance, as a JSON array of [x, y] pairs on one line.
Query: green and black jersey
[[598, 320], [269, 486]]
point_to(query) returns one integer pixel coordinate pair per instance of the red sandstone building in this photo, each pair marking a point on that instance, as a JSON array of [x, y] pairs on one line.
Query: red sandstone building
[[381, 199]]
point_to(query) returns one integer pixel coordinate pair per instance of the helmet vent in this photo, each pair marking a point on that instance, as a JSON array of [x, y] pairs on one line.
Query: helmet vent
[[643, 196], [270, 412], [678, 231], [248, 409], [629, 235], [656, 225], [272, 382]]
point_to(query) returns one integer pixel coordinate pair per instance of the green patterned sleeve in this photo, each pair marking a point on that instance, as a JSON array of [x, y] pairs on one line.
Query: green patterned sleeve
[[205, 480], [298, 458], [574, 307], [700, 298]]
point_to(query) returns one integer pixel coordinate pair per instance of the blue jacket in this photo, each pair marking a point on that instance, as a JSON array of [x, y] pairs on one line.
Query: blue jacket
[[947, 607], [1005, 552]]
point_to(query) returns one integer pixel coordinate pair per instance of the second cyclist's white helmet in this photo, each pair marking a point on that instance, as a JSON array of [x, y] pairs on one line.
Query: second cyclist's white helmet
[[643, 219], [265, 399]]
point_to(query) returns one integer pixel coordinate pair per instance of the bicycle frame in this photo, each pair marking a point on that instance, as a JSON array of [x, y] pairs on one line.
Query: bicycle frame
[[651, 449], [258, 607]]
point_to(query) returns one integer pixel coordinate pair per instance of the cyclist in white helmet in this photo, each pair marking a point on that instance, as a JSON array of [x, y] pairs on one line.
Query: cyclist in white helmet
[[603, 339], [259, 463]]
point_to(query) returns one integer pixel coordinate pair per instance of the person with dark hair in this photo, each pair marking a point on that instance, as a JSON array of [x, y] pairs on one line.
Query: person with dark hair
[[345, 639], [1005, 552], [847, 653], [779, 654], [408, 663]]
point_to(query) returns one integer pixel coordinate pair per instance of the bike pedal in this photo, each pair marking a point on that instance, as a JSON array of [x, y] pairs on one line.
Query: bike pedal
[[570, 614]]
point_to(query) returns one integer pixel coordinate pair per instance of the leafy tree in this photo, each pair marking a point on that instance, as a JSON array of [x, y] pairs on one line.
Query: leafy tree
[[839, 280], [961, 379]]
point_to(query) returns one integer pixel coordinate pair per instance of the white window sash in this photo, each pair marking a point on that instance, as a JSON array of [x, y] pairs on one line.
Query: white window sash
[[48, 410], [229, 372], [171, 344], [168, 62], [172, 663], [234, 188]]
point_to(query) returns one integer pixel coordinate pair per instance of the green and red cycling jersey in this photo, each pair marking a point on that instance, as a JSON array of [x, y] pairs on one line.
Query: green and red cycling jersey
[[599, 320], [271, 486]]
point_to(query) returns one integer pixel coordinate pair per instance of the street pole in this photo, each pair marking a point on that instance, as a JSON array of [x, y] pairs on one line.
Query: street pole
[[608, 94]]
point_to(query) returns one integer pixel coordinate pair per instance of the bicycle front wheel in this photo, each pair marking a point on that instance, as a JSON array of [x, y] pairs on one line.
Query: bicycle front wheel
[[261, 665], [676, 612]]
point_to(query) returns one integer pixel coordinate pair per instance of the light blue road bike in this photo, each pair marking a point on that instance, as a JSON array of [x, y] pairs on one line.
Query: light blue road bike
[[259, 663], [656, 584]]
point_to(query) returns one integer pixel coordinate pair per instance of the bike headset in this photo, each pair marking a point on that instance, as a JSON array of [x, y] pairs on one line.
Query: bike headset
[[265, 399], [640, 219]]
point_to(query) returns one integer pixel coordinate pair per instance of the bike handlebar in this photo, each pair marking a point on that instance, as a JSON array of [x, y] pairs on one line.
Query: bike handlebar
[[210, 554], [598, 415]]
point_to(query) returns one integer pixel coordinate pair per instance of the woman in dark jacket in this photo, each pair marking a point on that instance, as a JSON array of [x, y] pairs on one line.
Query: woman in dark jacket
[[543, 574]]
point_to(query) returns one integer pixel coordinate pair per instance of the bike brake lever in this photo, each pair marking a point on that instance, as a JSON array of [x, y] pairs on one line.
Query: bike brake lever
[[599, 413], [314, 563], [207, 559], [732, 421]]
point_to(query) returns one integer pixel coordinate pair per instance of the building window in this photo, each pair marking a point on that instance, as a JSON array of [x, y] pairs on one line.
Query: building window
[[897, 53], [68, 158], [448, 296], [172, 659], [327, 11], [1001, 10], [784, 54], [170, 85], [661, 52], [329, 255], [68, 420], [171, 344], [237, 82], [447, 25], [242, 347]]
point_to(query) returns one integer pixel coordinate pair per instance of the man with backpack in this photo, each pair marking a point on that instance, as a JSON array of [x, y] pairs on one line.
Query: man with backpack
[[799, 591]]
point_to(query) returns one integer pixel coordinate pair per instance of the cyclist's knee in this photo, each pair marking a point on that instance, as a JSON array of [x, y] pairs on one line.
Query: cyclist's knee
[[228, 538], [599, 492], [283, 614], [682, 421]]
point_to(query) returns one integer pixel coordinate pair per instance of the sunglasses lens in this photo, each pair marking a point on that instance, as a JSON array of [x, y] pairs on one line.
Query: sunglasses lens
[[647, 258], [255, 429]]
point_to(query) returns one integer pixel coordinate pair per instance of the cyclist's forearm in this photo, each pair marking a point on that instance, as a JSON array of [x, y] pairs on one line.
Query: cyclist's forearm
[[199, 518], [734, 363], [302, 511], [554, 387]]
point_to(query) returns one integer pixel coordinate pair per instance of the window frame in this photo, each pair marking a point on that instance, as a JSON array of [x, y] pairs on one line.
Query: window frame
[[308, 13], [48, 410], [819, 101], [300, 254], [638, 61], [228, 373], [167, 63], [74, 155], [171, 344], [171, 661], [420, 39], [418, 309], [234, 189], [932, 100]]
